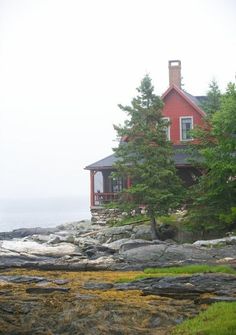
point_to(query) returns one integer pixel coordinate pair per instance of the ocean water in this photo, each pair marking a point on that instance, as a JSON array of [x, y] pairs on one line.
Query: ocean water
[[47, 212]]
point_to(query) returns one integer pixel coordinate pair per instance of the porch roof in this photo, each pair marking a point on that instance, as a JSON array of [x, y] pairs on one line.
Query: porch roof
[[103, 164], [180, 158]]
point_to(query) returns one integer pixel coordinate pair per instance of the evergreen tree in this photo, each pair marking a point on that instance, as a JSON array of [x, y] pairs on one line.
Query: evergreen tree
[[214, 197], [145, 155], [213, 100]]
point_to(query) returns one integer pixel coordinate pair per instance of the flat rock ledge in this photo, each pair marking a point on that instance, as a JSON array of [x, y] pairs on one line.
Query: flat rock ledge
[[220, 287]]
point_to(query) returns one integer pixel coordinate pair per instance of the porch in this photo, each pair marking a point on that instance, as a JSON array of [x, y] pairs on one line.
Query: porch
[[104, 188], [104, 198]]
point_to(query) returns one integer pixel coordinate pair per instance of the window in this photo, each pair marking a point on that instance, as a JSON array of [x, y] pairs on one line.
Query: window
[[167, 128], [186, 124], [116, 185]]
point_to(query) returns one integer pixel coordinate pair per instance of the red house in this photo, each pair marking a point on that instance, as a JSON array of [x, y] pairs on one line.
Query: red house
[[184, 112]]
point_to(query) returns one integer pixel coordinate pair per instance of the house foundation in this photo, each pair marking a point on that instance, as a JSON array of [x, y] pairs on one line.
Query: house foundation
[[101, 215]]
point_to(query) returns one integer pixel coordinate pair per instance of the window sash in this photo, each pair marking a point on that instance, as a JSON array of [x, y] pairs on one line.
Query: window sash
[[186, 126], [117, 185], [167, 128]]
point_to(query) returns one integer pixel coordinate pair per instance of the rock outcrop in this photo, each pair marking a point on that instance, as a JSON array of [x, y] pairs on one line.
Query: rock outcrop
[[216, 242], [87, 246], [45, 302], [193, 287]]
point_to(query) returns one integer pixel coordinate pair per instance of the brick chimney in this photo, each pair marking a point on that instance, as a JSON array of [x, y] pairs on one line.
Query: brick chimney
[[175, 73]]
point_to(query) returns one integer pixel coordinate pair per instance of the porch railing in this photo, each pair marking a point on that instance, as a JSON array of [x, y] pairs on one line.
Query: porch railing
[[104, 198]]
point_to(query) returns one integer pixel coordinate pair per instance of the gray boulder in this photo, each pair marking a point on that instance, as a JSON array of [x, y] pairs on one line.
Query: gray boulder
[[80, 225], [115, 245], [111, 234], [39, 238], [164, 252], [54, 239], [142, 232], [216, 242], [134, 244], [46, 290], [23, 232], [98, 286], [33, 248], [108, 235], [185, 287]]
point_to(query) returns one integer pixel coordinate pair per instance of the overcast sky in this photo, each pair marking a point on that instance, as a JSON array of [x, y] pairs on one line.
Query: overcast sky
[[66, 64]]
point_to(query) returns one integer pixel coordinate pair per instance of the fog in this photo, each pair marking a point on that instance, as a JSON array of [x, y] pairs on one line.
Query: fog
[[65, 65]]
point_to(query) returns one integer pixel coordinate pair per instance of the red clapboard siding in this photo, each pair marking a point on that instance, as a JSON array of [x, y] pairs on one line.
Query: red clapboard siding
[[176, 106]]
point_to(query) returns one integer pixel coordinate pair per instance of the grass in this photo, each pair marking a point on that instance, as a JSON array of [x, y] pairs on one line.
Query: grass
[[218, 319], [191, 269], [181, 270]]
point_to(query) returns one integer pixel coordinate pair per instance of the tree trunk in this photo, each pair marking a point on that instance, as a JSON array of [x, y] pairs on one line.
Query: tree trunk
[[154, 231]]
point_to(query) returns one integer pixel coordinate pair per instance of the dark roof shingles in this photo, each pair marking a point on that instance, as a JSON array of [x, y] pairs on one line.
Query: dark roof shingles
[[197, 100], [180, 158], [104, 163]]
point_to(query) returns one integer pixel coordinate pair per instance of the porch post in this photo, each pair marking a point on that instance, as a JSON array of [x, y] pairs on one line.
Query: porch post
[[129, 182], [92, 203]]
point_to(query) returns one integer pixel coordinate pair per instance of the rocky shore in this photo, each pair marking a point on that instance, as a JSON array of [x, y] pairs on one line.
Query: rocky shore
[[34, 302], [69, 280], [87, 246]]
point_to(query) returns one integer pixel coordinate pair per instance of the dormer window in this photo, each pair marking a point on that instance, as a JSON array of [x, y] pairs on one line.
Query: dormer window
[[186, 124]]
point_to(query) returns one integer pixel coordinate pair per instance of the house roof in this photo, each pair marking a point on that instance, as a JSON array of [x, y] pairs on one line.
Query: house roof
[[194, 101], [180, 158], [198, 100], [105, 163]]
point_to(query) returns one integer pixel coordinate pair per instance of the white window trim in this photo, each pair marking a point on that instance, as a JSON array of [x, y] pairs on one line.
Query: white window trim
[[168, 128], [180, 127]]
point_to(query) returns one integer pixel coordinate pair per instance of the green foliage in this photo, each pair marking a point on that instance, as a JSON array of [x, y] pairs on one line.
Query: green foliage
[[168, 219], [137, 219], [229, 217], [213, 199], [213, 101], [181, 270], [145, 154], [218, 319], [141, 219]]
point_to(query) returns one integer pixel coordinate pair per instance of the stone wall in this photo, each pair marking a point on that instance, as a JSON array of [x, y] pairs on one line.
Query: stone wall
[[175, 231], [101, 215]]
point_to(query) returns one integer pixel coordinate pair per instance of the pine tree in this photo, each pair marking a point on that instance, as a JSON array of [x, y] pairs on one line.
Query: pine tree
[[213, 99], [145, 155], [214, 197]]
